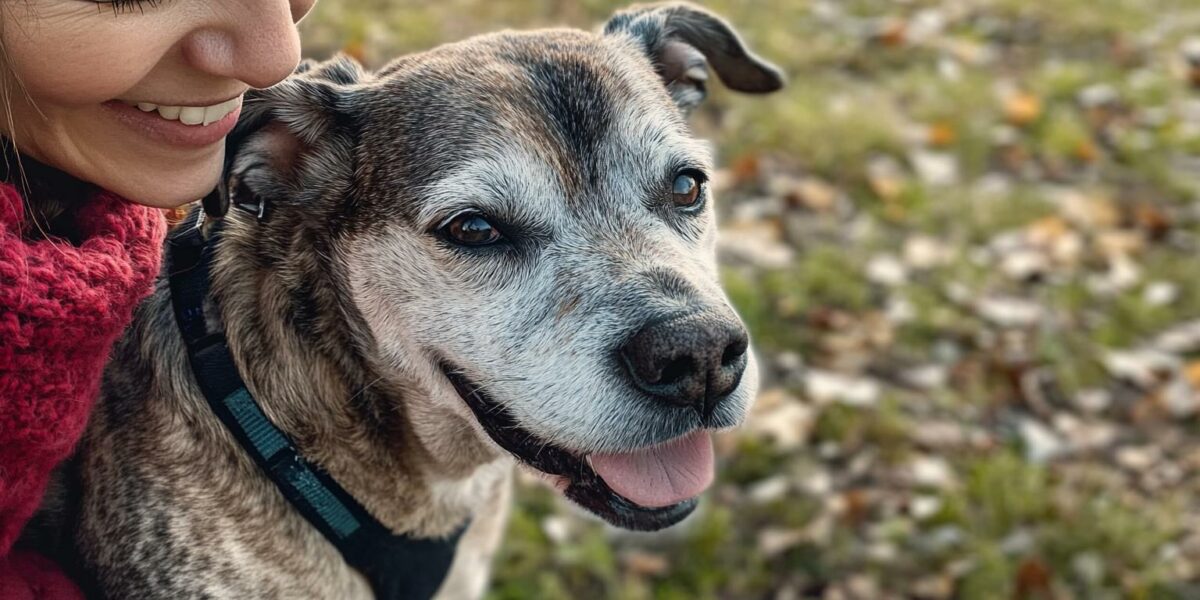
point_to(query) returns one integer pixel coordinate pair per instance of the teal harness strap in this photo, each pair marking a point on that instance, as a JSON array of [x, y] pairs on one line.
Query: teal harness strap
[[269, 442]]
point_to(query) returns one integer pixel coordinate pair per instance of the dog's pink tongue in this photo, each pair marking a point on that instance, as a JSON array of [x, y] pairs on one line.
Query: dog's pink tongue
[[660, 475]]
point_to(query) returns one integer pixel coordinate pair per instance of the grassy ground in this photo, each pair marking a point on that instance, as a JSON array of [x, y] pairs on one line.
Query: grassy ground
[[965, 241]]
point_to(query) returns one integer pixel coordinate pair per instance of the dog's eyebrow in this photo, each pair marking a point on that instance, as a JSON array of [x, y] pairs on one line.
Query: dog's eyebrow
[[686, 163], [510, 188], [649, 134]]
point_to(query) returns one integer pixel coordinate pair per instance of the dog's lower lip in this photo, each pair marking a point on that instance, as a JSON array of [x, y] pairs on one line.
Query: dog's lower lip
[[584, 486]]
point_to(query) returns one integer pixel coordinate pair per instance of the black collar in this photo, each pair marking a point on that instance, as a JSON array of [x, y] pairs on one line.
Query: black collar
[[398, 567]]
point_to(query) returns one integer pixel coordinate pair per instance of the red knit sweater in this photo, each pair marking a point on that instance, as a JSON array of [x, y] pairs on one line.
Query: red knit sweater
[[61, 308]]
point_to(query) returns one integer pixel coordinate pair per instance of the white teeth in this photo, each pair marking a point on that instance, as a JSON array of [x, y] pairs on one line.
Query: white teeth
[[192, 115], [215, 113]]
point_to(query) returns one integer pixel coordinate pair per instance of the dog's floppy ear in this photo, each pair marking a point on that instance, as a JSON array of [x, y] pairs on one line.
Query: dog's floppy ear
[[286, 134], [683, 40]]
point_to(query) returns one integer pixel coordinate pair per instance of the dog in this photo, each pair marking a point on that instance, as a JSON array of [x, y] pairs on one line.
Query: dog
[[497, 252]]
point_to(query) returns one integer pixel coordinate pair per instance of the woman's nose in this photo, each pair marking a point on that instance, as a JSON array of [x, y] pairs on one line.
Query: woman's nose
[[253, 42], [300, 8]]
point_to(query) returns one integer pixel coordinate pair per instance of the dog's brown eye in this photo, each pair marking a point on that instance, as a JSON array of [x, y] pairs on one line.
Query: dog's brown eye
[[472, 230], [685, 192]]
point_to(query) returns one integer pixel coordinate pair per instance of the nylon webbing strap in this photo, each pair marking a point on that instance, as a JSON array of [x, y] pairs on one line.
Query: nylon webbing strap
[[398, 567]]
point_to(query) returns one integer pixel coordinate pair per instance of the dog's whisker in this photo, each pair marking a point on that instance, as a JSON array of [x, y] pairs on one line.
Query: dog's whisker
[[364, 388]]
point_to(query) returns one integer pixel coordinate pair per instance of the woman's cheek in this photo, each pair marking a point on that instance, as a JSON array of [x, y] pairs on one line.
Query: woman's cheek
[[70, 65], [76, 78]]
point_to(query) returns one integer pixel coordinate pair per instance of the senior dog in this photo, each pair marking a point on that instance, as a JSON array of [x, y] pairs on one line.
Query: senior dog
[[498, 249]]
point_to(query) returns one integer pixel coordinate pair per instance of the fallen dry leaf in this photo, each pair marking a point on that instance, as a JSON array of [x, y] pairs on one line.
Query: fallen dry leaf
[[355, 50], [1033, 579], [1086, 151], [940, 135], [887, 187], [745, 169], [1022, 108], [813, 194], [893, 33], [1152, 220], [1045, 232], [856, 506], [1191, 373], [641, 562]]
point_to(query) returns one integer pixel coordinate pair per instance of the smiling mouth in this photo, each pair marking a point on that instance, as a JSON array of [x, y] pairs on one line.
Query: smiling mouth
[[658, 485], [191, 115], [183, 127]]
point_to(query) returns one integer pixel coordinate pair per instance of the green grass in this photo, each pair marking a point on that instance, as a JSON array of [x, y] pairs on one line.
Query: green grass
[[885, 427], [775, 304]]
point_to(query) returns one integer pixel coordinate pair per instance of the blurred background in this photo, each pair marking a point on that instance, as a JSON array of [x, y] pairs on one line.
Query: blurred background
[[965, 239]]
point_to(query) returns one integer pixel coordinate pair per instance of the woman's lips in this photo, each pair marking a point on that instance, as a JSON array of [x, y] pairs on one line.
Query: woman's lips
[[173, 132]]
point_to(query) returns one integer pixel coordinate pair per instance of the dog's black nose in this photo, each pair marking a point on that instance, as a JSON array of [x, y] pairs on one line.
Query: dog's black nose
[[694, 361]]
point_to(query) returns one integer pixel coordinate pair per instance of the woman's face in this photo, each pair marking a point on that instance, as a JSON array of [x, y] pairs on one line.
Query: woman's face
[[138, 96]]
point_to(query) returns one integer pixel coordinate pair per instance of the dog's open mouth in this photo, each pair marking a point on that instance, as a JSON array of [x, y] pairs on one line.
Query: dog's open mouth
[[645, 490]]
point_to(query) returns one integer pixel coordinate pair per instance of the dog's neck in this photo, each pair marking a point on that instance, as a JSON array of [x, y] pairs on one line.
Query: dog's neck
[[303, 354]]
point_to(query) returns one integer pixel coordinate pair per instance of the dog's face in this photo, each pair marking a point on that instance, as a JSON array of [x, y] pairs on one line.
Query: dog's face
[[524, 224]]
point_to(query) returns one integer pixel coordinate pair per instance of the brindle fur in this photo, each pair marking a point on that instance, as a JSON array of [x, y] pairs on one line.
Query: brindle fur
[[341, 305]]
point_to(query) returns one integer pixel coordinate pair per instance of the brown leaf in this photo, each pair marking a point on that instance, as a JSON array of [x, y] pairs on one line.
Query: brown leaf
[[887, 187], [1123, 51], [941, 135], [893, 33], [1086, 151], [857, 507], [1192, 373], [1148, 409], [644, 563], [1047, 231], [886, 178], [355, 50], [1151, 219], [1022, 108], [1033, 580], [828, 318], [746, 169], [1120, 243], [812, 194], [1098, 117], [1091, 211], [773, 542]]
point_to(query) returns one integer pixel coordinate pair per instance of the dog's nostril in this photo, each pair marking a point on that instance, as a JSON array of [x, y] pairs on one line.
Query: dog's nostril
[[677, 370], [734, 352]]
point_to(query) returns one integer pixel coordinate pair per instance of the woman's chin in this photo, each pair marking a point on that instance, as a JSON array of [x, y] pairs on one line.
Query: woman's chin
[[162, 188]]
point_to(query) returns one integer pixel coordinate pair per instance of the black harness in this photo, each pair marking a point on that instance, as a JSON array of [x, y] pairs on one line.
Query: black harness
[[398, 567]]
